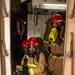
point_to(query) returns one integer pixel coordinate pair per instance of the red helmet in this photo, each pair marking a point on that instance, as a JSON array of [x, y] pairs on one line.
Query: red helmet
[[32, 41], [56, 18], [24, 43]]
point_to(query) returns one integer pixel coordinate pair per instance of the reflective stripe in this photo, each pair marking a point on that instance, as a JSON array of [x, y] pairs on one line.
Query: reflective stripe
[[50, 55], [53, 44], [36, 44], [54, 56], [31, 71], [31, 65], [59, 21]]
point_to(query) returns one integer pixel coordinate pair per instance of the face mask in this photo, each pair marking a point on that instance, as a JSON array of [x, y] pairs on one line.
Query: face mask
[[31, 52]]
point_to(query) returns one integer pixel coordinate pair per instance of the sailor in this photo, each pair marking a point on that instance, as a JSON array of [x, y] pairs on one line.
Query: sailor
[[56, 40], [34, 61]]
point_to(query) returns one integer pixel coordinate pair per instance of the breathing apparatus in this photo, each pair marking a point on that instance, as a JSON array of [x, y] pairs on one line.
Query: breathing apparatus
[[32, 49]]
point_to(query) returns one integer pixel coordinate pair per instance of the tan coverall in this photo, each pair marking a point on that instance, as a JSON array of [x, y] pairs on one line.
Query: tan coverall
[[56, 62], [39, 68]]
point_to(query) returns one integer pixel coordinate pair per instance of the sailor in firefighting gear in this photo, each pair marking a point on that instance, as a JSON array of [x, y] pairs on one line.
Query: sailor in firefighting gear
[[56, 40], [36, 62]]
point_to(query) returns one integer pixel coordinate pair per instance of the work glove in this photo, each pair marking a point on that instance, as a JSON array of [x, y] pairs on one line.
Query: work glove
[[58, 41], [24, 72]]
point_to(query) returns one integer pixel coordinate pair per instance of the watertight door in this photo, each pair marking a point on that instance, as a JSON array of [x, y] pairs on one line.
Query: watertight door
[[69, 62], [2, 60], [5, 64], [0, 43]]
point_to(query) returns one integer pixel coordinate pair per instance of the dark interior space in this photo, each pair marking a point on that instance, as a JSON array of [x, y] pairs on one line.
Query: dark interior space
[[18, 31]]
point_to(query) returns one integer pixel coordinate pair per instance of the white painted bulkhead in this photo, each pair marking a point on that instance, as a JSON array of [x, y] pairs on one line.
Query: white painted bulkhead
[[38, 30], [69, 63], [5, 37]]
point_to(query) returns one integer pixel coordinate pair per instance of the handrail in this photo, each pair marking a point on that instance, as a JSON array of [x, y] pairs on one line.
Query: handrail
[[5, 53], [3, 8]]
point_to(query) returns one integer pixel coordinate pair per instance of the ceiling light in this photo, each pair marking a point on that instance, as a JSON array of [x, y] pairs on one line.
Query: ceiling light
[[53, 5], [22, 0]]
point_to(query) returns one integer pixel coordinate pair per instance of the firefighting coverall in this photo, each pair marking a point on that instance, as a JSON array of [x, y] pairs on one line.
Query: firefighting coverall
[[55, 60]]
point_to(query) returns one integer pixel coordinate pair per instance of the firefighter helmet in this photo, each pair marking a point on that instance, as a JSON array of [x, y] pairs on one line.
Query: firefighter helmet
[[24, 43], [32, 41], [56, 18]]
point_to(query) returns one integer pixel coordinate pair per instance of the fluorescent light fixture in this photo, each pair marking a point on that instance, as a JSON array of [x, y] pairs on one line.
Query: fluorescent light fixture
[[22, 0], [52, 5]]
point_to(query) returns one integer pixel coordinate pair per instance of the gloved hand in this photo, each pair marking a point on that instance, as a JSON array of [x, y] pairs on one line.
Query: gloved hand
[[18, 68], [58, 41], [24, 72]]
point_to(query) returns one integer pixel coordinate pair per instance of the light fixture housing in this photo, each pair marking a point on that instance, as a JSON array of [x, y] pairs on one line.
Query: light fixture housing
[[53, 5]]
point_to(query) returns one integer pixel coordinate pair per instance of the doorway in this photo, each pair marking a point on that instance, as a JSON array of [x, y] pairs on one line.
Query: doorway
[[19, 25]]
